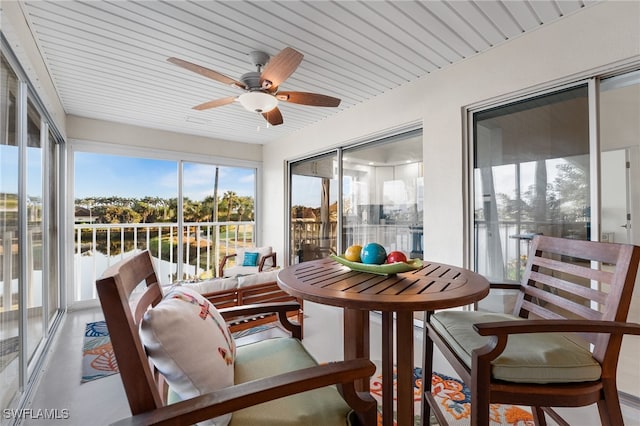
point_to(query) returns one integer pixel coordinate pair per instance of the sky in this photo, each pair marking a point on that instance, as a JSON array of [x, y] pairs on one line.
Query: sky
[[100, 175]]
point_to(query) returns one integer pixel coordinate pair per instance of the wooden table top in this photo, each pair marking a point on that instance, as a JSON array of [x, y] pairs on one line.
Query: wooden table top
[[434, 286]]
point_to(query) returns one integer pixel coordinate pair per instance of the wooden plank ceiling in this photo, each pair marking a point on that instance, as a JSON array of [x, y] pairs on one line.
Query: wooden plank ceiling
[[107, 59]]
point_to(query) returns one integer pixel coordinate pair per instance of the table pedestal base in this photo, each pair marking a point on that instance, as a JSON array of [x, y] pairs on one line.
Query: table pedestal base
[[356, 344]]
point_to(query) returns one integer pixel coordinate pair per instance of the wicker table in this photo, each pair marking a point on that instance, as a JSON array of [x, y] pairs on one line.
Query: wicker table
[[435, 286]]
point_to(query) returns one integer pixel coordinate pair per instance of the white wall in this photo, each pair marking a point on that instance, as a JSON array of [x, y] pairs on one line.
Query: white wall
[[86, 129], [601, 36]]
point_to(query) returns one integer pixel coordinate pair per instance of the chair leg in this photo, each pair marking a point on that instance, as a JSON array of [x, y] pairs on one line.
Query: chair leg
[[480, 394], [479, 409], [427, 371], [539, 418], [609, 407]]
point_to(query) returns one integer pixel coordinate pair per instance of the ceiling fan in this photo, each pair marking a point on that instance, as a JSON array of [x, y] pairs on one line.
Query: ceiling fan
[[261, 86]]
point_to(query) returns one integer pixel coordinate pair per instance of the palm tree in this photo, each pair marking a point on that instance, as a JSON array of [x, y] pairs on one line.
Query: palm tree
[[231, 199]]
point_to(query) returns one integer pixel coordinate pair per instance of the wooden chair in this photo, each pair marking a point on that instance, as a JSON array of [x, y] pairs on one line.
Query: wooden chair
[[147, 391], [572, 291]]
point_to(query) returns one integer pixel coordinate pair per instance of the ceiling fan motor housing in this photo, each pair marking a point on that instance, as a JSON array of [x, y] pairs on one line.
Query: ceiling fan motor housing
[[251, 80]]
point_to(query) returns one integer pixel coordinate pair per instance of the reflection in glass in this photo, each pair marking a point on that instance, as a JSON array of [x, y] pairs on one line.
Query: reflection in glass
[[383, 189], [531, 176], [314, 208]]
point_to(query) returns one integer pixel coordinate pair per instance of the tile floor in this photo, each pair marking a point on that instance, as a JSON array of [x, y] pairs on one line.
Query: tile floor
[[103, 401]]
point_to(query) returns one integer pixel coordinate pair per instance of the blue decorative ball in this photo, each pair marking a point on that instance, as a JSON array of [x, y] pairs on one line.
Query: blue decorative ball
[[373, 254]]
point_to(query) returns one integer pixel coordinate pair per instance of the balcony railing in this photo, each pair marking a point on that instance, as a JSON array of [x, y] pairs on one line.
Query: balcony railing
[[191, 251]]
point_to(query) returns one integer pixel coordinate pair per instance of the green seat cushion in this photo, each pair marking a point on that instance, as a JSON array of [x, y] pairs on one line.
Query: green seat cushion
[[528, 358], [270, 357]]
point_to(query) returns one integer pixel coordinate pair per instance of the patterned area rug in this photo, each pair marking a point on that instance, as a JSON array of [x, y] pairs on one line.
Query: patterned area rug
[[98, 359], [455, 402]]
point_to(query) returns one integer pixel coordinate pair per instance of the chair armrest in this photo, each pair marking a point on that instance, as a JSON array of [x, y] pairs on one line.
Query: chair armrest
[[263, 259], [505, 286], [503, 328], [248, 394], [279, 308], [223, 262], [262, 308]]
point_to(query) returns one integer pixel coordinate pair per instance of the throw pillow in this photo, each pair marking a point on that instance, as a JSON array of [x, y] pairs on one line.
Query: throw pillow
[[250, 259], [190, 344]]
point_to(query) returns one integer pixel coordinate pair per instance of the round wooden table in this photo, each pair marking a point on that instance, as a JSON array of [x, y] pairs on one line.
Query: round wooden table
[[434, 286]]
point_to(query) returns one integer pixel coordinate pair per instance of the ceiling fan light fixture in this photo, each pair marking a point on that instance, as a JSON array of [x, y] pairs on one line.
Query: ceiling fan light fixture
[[258, 101]]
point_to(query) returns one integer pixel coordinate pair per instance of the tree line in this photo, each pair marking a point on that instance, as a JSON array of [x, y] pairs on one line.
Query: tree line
[[230, 207]]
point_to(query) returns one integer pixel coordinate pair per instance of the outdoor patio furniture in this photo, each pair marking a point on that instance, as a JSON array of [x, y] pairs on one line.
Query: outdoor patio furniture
[[560, 347], [275, 381]]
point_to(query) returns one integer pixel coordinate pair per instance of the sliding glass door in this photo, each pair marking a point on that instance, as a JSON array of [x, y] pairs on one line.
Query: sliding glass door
[[9, 248], [314, 208], [531, 176], [620, 194], [372, 192], [29, 238], [383, 194], [534, 163]]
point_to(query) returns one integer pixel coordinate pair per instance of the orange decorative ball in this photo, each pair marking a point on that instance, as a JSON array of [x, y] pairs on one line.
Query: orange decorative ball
[[353, 253]]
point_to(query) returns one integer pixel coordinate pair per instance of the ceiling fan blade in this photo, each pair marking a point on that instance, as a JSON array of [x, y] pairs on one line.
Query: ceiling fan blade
[[215, 103], [280, 67], [214, 75], [274, 117], [312, 99]]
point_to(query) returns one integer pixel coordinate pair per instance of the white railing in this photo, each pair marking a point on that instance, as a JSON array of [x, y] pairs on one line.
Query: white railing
[[203, 245]]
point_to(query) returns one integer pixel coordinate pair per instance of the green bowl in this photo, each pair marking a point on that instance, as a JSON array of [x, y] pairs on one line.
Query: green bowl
[[385, 269]]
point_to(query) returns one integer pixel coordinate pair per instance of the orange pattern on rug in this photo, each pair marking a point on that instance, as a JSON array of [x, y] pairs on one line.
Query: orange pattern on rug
[[455, 402]]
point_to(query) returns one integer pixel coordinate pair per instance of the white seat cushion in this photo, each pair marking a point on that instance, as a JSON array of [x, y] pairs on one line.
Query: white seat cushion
[[210, 286]]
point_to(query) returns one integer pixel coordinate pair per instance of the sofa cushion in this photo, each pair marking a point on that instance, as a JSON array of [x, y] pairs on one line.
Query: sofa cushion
[[210, 286], [250, 258], [528, 358], [258, 278], [262, 251], [190, 344]]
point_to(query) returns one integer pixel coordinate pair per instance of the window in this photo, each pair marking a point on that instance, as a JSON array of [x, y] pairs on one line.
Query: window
[[187, 214], [29, 238], [531, 176], [383, 194], [380, 198], [314, 208], [532, 166]]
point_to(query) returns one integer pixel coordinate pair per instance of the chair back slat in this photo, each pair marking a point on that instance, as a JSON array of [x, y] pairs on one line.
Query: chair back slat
[[570, 287], [576, 279], [115, 289]]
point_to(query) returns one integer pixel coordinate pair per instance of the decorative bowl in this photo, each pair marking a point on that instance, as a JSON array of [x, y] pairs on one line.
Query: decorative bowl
[[385, 269]]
